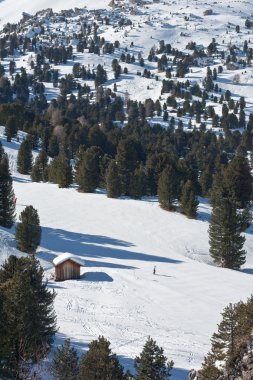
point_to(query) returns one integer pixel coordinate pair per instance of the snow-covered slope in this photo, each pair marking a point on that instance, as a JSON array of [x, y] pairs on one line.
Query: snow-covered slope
[[120, 241], [11, 11]]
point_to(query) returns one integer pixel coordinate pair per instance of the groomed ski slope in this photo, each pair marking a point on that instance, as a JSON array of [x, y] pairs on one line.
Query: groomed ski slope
[[120, 241]]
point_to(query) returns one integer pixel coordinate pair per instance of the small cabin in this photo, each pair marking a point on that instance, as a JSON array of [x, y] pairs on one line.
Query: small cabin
[[67, 267]]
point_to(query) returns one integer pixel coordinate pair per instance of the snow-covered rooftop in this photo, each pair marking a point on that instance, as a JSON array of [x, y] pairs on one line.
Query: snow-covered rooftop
[[67, 256]]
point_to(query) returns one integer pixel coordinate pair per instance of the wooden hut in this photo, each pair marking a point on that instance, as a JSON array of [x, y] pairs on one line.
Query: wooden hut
[[67, 267]]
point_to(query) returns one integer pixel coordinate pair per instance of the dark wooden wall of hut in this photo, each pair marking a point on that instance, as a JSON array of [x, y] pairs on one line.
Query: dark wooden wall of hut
[[67, 270]]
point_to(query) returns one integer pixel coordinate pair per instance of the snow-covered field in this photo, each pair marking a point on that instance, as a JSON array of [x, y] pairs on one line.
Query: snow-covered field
[[120, 241]]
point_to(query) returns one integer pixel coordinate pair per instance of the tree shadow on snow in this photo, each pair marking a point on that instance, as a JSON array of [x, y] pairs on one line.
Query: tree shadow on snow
[[204, 216], [49, 257], [54, 285], [22, 180], [179, 374], [93, 247], [247, 270]]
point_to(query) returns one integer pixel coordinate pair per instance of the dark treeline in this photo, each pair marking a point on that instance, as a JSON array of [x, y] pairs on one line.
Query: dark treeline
[[89, 130], [80, 124]]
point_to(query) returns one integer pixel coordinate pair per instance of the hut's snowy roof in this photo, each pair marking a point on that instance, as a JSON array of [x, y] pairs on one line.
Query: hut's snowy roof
[[67, 256]]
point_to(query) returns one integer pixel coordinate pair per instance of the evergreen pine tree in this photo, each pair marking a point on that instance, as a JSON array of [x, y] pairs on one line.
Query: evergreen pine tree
[[7, 197], [60, 171], [28, 230], [11, 128], [238, 180], [65, 362], [226, 242], [206, 180], [26, 307], [127, 158], [113, 180], [36, 173], [218, 189], [209, 370], [100, 363], [229, 342], [168, 188], [53, 146], [228, 330], [24, 159], [188, 200], [156, 163], [138, 181], [152, 364], [40, 168], [246, 218], [87, 169]]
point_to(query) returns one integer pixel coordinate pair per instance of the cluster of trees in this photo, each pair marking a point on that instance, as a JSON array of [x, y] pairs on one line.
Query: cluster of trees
[[233, 333], [183, 163], [176, 183], [28, 230], [27, 317], [7, 196], [100, 363]]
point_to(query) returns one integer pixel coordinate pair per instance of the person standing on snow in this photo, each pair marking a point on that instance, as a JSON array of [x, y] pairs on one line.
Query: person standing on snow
[[154, 270]]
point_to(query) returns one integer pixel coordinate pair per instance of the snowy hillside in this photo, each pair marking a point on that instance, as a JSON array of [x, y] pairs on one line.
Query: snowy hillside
[[120, 241], [12, 11], [175, 24]]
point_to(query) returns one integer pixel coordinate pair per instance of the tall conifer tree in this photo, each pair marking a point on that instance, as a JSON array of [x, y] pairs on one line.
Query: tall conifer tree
[[11, 128], [26, 307], [7, 196], [65, 362], [28, 231], [188, 200], [40, 168], [113, 180], [60, 170], [24, 160], [226, 242], [87, 169], [168, 188], [138, 183], [152, 364], [127, 157], [238, 179], [100, 363]]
